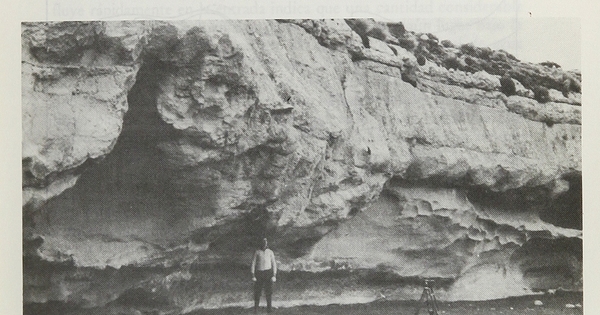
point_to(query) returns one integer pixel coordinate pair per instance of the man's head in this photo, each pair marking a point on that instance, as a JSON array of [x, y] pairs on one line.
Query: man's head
[[264, 244]]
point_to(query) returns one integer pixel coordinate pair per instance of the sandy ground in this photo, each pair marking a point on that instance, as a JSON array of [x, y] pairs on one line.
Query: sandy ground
[[524, 305], [552, 304]]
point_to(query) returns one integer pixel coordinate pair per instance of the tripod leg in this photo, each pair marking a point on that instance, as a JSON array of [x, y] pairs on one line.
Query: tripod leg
[[420, 303], [435, 304], [428, 304]]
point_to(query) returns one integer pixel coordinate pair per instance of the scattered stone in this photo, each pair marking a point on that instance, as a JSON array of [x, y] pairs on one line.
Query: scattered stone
[[538, 303], [569, 306]]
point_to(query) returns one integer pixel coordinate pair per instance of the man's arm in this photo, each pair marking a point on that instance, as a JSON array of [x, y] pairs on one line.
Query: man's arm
[[253, 266], [274, 264]]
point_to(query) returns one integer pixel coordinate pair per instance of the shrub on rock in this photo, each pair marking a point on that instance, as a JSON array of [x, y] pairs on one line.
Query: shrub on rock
[[571, 83], [575, 86], [509, 56], [550, 64], [468, 49], [369, 27], [433, 38], [566, 88], [409, 78], [409, 74], [507, 86], [396, 29], [380, 32], [541, 94], [451, 62], [502, 56], [485, 53], [361, 26], [407, 43], [448, 44]]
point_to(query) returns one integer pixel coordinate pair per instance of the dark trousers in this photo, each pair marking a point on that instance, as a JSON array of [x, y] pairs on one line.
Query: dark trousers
[[263, 280]]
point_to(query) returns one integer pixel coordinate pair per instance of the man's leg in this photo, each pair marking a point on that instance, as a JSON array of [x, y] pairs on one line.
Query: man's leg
[[257, 291], [269, 292]]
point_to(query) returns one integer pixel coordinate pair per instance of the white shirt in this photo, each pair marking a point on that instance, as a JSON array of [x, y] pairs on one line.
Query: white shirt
[[264, 260]]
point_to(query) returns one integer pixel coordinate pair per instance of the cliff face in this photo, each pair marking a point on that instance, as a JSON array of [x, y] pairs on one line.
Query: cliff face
[[166, 149]]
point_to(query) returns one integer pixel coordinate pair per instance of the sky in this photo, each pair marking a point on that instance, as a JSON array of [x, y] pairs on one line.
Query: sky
[[532, 30], [529, 39]]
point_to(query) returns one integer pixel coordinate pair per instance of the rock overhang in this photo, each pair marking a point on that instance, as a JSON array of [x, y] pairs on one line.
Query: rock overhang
[[250, 128]]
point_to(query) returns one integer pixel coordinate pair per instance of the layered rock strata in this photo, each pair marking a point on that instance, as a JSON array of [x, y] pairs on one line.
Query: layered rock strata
[[155, 154]]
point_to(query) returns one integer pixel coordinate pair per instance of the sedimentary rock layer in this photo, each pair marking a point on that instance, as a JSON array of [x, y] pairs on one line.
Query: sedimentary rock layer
[[176, 145]]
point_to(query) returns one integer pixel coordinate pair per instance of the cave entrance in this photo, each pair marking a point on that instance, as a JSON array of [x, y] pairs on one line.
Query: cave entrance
[[550, 264], [135, 191], [566, 209]]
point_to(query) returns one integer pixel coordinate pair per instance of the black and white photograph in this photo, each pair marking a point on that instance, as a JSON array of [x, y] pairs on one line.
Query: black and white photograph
[[364, 164]]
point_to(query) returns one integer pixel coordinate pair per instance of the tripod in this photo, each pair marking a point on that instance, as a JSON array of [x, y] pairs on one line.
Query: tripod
[[428, 300]]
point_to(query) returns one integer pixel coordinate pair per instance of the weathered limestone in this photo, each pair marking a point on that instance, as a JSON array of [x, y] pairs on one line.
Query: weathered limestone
[[178, 144]]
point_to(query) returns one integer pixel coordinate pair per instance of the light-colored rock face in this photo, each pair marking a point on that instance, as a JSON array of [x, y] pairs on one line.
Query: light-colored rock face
[[75, 79], [349, 158], [439, 232]]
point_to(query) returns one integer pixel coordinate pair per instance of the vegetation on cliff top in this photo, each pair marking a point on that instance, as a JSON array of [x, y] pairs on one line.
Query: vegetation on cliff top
[[470, 58]]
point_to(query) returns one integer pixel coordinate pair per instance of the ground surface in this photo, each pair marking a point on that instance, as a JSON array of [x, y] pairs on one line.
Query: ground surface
[[524, 305], [553, 304]]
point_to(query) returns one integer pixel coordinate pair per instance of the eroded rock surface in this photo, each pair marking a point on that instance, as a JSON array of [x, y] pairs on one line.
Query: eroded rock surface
[[373, 156], [75, 79]]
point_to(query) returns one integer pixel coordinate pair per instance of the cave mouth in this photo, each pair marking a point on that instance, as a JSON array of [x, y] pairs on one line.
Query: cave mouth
[[566, 209], [136, 191], [562, 210], [551, 263]]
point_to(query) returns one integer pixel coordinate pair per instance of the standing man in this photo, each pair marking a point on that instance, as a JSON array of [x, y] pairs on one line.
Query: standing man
[[264, 272]]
